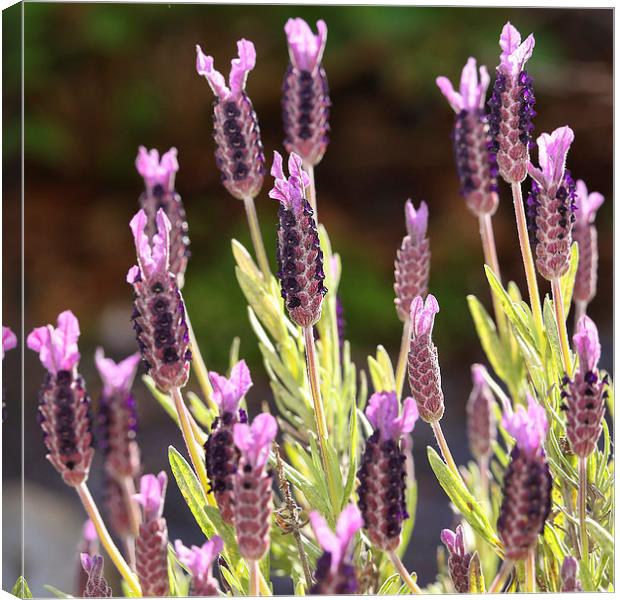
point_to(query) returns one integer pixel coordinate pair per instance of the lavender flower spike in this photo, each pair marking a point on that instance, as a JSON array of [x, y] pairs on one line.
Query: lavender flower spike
[[252, 486], [382, 472], [551, 204], [89, 544], [96, 585], [511, 107], [199, 561], [584, 396], [152, 541], [569, 576], [527, 482], [159, 312], [458, 561], [118, 419], [413, 260], [9, 340], [481, 427], [64, 405], [476, 165], [159, 176], [299, 255], [221, 454], [239, 150], [335, 572], [305, 92], [423, 363], [585, 234]]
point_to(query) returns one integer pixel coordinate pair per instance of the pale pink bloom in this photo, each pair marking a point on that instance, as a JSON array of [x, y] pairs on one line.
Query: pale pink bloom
[[228, 392], [305, 48], [57, 346]]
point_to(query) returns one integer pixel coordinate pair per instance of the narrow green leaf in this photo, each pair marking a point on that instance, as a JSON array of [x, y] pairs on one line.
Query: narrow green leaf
[[387, 369], [464, 502], [21, 589], [50, 588], [551, 328], [567, 281], [476, 578], [350, 481]]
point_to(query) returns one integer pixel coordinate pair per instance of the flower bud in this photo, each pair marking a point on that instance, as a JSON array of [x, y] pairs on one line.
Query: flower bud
[[458, 560]]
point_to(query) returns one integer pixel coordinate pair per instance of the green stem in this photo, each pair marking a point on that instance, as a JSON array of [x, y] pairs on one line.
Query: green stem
[[404, 574], [445, 450], [558, 304], [257, 238], [254, 579], [582, 501], [500, 578], [530, 572], [401, 367]]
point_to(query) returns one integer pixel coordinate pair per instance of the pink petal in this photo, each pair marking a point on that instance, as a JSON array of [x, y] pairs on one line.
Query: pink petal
[[133, 274], [406, 422], [349, 523], [116, 376], [240, 378], [509, 39], [89, 533], [423, 315], [240, 67], [326, 538], [448, 538], [454, 98], [66, 338], [416, 221], [587, 344], [478, 372], [9, 340], [305, 48], [204, 67], [529, 428]]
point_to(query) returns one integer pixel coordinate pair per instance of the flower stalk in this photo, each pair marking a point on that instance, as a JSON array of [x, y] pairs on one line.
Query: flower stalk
[[414, 588], [257, 238], [530, 572], [582, 505], [501, 577], [558, 305]]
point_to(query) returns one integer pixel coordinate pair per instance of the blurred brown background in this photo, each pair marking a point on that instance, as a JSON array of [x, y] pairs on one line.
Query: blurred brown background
[[101, 79]]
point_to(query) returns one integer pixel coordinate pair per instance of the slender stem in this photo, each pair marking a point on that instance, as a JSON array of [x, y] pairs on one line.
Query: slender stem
[[106, 540], [129, 489], [319, 413], [404, 574], [530, 571], [262, 584], [254, 579], [190, 443], [311, 194], [570, 525], [582, 501], [560, 317], [526, 254], [580, 311], [445, 451], [500, 578], [401, 367], [257, 238], [198, 364]]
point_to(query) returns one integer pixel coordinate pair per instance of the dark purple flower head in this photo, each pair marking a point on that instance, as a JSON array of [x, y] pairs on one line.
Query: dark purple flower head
[[157, 174], [481, 428], [9, 340], [239, 69]]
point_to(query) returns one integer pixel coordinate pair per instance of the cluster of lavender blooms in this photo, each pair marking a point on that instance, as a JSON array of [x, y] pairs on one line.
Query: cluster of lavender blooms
[[235, 454]]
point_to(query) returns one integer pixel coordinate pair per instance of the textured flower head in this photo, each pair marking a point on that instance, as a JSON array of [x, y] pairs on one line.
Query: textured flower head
[[587, 344], [199, 559], [9, 340], [151, 496], [587, 203], [153, 255], [472, 90], [57, 346], [514, 53], [348, 524], [552, 151], [156, 172], [529, 428], [290, 192], [116, 377], [305, 48], [255, 440], [382, 412], [416, 221], [240, 67], [423, 315], [227, 393], [454, 540]]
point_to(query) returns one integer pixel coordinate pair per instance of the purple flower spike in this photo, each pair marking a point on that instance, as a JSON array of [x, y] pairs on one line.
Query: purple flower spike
[[481, 427], [227, 393], [156, 172], [584, 395], [57, 346], [511, 107], [413, 260], [551, 204], [423, 362], [299, 254], [252, 486], [527, 482], [89, 545], [159, 311], [529, 428], [9, 340], [305, 99], [152, 540], [382, 499], [334, 572], [569, 576], [239, 150], [199, 561], [458, 561], [586, 236], [476, 166], [96, 585], [64, 405]]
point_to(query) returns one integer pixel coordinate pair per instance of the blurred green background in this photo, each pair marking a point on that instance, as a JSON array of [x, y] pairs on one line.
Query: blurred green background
[[102, 79]]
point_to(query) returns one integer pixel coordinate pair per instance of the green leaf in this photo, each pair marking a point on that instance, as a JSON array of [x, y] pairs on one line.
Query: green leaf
[[551, 328], [476, 578], [21, 589], [389, 585], [567, 281], [53, 590], [350, 481], [464, 502]]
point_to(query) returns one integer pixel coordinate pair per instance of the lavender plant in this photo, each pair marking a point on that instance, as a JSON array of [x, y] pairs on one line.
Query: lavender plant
[[534, 506]]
